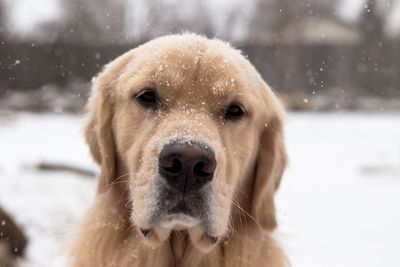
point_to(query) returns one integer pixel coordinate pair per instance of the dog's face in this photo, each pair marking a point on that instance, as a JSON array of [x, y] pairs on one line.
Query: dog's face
[[188, 124]]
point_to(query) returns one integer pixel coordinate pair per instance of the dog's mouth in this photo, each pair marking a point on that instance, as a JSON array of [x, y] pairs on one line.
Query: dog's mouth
[[173, 209], [178, 217], [176, 205], [181, 207], [181, 212], [187, 212]]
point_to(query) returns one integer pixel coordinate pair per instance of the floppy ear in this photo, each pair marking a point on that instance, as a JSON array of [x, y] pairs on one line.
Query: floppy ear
[[269, 168], [98, 129]]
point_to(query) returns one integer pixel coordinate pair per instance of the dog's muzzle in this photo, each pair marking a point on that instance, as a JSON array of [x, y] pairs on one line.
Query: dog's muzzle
[[186, 170]]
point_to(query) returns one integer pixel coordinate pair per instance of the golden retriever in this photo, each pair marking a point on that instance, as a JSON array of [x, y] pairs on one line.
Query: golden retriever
[[190, 142]]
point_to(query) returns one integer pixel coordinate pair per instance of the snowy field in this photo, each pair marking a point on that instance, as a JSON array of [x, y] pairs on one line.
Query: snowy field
[[339, 203]]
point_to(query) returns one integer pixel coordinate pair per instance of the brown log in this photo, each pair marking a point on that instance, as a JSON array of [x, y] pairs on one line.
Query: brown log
[[45, 166]]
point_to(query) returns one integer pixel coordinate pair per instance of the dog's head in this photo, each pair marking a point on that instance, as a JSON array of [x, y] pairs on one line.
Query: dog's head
[[195, 134]]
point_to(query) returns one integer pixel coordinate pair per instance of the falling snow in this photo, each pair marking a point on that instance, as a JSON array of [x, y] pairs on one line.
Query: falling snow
[[318, 203]]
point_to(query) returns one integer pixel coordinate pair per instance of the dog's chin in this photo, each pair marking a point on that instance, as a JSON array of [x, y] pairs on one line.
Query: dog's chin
[[179, 221], [200, 238]]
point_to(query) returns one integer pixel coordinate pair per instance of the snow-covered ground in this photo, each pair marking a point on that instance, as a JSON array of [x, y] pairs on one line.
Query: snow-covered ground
[[339, 203], [47, 205]]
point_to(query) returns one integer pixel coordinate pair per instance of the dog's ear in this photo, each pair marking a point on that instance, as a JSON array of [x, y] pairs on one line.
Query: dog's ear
[[270, 164], [98, 128]]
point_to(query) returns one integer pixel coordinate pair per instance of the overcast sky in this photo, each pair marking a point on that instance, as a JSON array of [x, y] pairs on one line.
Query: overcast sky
[[25, 14]]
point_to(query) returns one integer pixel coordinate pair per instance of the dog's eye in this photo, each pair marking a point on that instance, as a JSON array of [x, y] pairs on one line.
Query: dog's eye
[[234, 112], [148, 98]]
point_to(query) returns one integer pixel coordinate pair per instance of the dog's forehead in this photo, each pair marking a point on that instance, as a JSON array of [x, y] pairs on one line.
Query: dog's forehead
[[209, 70], [212, 67]]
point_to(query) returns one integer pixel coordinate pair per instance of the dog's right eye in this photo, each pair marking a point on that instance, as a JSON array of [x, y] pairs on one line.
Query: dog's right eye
[[148, 98]]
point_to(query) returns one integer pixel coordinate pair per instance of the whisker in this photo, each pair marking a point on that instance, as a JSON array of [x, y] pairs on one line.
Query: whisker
[[118, 178], [242, 192], [245, 212], [248, 214], [240, 214]]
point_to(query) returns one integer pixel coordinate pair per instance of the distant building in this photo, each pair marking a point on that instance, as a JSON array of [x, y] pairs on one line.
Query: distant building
[[320, 31]]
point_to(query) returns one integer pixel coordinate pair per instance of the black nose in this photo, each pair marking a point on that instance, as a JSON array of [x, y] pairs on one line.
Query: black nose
[[187, 166]]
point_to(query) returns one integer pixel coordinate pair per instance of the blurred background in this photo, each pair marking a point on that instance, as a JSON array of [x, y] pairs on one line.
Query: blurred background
[[335, 63], [318, 54]]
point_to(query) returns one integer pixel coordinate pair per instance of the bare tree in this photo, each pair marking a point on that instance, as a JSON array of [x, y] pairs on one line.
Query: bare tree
[[2, 20], [93, 21], [375, 42], [151, 18], [372, 22], [272, 17], [164, 17]]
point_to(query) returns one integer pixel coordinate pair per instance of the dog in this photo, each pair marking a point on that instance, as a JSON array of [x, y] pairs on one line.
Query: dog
[[13, 240], [190, 143]]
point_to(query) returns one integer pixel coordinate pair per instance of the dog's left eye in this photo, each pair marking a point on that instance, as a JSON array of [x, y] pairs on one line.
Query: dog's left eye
[[148, 98], [234, 112]]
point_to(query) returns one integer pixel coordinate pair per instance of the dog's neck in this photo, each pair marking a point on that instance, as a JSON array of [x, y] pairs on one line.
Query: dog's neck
[[180, 246]]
